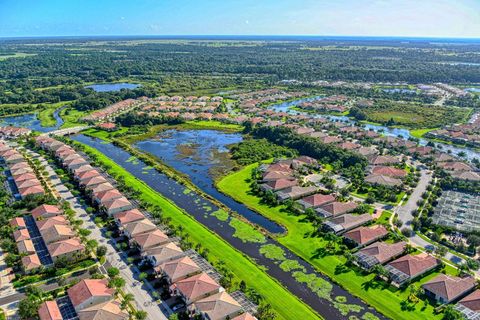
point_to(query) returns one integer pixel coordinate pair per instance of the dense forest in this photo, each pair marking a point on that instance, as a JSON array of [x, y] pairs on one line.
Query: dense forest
[[207, 64]]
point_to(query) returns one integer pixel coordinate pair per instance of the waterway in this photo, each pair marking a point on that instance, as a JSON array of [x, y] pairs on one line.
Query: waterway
[[326, 304], [201, 154], [110, 87], [469, 154], [32, 122]]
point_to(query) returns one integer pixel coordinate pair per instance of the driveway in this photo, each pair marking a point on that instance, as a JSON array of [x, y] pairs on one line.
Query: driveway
[[141, 292]]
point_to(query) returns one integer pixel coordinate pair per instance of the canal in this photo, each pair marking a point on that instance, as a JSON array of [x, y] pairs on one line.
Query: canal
[[328, 299]]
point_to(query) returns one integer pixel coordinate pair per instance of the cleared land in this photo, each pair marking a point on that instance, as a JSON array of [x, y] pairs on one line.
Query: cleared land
[[282, 301], [391, 302]]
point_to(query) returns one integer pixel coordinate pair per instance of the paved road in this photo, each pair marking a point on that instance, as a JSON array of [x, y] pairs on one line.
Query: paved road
[[143, 299]]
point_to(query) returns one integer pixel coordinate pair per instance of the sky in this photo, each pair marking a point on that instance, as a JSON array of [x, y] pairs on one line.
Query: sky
[[407, 18]]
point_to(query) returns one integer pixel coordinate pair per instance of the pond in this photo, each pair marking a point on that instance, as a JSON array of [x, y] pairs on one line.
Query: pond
[[399, 90], [32, 122], [469, 154], [110, 87], [299, 277], [201, 154], [472, 89]]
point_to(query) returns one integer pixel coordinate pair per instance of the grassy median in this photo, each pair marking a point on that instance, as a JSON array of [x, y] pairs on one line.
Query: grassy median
[[391, 302], [282, 301]]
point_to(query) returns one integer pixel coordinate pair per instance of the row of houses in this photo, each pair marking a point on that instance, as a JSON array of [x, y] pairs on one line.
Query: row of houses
[[20, 175], [113, 110], [201, 293], [89, 299], [9, 132], [45, 236]]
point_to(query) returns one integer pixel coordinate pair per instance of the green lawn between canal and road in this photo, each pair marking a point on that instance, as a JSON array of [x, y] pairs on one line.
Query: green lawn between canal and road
[[386, 300], [286, 305]]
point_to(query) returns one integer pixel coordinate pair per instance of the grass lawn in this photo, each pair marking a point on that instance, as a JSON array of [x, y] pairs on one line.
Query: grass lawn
[[46, 115], [102, 134], [282, 301], [16, 55], [385, 299], [71, 117], [212, 124], [419, 133]]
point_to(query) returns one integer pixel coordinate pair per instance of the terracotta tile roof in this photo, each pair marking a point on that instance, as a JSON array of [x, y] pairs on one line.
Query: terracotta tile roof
[[337, 208], [65, 246], [383, 180], [101, 187], [83, 168], [88, 288], [179, 268], [24, 177], [31, 262], [49, 222], [25, 246], [197, 286], [165, 252], [219, 306], [449, 287], [92, 181], [383, 251], [379, 160], [49, 311], [17, 222], [318, 199], [129, 216], [38, 189], [245, 316], [414, 265], [281, 184], [139, 227], [21, 234], [365, 235], [116, 203], [87, 174], [151, 239], [109, 310], [56, 232], [105, 195], [275, 175], [472, 301], [389, 171], [46, 210]]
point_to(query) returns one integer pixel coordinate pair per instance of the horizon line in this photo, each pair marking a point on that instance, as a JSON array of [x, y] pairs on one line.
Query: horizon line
[[173, 36]]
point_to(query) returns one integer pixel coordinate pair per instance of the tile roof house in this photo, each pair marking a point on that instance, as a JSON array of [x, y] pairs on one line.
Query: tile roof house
[[379, 179], [89, 292], [46, 211], [178, 269], [75, 163], [445, 288], [276, 175], [21, 234], [92, 181], [83, 168], [336, 208], [346, 222], [167, 252], [410, 266], [56, 233], [296, 192], [106, 195], [363, 236], [33, 190], [50, 222], [145, 241], [69, 248], [109, 310], [31, 262], [379, 253], [279, 184], [81, 176], [316, 200], [219, 306], [138, 227], [470, 306], [466, 175], [382, 160], [195, 288], [25, 246], [49, 310], [113, 206], [245, 316], [129, 216], [18, 223], [389, 171], [100, 187]]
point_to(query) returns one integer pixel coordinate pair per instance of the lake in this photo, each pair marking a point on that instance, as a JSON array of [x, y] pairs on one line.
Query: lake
[[110, 87], [32, 122]]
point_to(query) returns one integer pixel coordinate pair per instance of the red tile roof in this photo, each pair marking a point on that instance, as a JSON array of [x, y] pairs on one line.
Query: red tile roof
[[49, 311], [196, 286], [449, 287], [46, 210], [472, 301], [88, 288], [414, 265], [364, 235]]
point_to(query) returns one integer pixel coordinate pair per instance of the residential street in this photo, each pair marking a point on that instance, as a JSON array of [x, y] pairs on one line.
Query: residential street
[[143, 299]]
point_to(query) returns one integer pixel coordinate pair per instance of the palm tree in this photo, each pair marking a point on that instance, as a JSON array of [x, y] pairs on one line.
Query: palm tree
[[126, 300]]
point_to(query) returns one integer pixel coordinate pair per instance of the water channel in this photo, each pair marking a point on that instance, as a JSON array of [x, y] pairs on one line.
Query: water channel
[[324, 301], [32, 122], [470, 154]]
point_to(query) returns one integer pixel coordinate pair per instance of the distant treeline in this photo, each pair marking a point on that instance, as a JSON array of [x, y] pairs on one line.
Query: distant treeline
[[131, 119]]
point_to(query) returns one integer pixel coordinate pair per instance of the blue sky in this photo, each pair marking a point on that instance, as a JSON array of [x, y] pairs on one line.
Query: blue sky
[[413, 18]]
